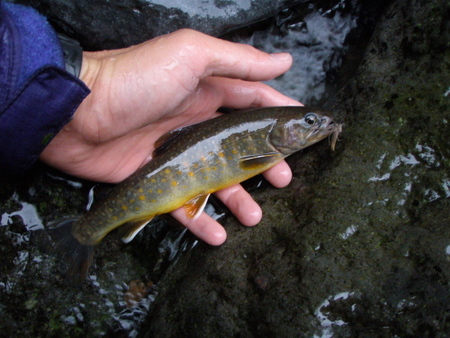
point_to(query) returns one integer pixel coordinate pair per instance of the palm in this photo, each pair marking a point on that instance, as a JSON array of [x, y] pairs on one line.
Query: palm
[[113, 155]]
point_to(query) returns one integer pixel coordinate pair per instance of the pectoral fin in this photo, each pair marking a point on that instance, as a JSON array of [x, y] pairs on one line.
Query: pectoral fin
[[253, 162], [129, 230], [195, 206]]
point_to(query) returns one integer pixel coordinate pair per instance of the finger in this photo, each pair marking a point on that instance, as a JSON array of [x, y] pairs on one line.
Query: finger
[[246, 62], [216, 92], [218, 57], [204, 227], [239, 94], [279, 175], [241, 204]]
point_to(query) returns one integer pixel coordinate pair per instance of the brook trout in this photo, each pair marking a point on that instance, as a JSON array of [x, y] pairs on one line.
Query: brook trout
[[192, 162]]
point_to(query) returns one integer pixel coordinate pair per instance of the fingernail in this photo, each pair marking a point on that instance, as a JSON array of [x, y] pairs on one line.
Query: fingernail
[[281, 56]]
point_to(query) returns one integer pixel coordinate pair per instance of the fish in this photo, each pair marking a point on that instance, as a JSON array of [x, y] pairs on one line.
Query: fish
[[189, 164]]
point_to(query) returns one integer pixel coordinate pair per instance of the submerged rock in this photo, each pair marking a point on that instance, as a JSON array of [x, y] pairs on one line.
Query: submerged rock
[[359, 244], [120, 23]]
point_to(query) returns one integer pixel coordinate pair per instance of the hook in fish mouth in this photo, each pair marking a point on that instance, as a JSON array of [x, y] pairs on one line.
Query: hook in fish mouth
[[332, 128], [336, 129]]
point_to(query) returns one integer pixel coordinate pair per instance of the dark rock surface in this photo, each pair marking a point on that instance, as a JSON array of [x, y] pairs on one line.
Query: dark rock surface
[[107, 24], [359, 244]]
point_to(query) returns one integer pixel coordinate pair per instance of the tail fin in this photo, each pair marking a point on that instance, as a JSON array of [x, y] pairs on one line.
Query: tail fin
[[78, 257]]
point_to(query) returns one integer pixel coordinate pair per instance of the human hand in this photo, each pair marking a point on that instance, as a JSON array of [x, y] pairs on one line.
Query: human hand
[[141, 92]]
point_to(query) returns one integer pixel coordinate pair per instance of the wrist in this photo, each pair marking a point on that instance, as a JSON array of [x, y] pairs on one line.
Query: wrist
[[90, 68]]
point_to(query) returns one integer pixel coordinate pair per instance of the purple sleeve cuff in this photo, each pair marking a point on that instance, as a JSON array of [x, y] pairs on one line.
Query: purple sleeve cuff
[[31, 40], [43, 106], [38, 96]]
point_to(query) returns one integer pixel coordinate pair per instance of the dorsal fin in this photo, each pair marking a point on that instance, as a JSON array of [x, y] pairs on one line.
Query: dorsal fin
[[166, 140]]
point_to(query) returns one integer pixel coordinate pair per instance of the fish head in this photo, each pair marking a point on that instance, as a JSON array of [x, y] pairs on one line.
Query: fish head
[[294, 132]]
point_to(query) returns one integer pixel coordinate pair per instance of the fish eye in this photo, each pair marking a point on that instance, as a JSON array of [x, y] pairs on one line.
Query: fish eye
[[311, 118]]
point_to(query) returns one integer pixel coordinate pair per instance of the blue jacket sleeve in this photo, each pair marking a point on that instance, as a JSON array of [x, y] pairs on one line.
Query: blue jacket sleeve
[[38, 97]]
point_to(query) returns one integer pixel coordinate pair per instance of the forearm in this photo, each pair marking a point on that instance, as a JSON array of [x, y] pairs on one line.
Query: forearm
[[38, 96]]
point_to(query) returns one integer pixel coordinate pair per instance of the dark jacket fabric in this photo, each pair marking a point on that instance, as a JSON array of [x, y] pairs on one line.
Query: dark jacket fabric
[[37, 97]]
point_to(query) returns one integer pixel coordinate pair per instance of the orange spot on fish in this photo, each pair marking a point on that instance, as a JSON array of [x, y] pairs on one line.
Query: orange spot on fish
[[142, 197], [132, 201], [167, 171], [174, 183], [191, 173], [159, 191], [124, 207], [141, 190]]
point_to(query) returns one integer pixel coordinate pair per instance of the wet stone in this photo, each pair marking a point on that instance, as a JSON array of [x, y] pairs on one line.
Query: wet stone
[[136, 21]]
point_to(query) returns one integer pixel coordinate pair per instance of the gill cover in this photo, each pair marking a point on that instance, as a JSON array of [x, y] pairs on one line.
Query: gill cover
[[292, 134]]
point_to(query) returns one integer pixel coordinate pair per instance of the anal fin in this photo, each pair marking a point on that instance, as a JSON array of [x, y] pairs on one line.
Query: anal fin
[[195, 206], [129, 230]]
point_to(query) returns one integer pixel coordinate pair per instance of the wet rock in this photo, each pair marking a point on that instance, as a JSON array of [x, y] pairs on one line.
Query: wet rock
[[121, 23], [33, 285], [316, 41], [359, 244]]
